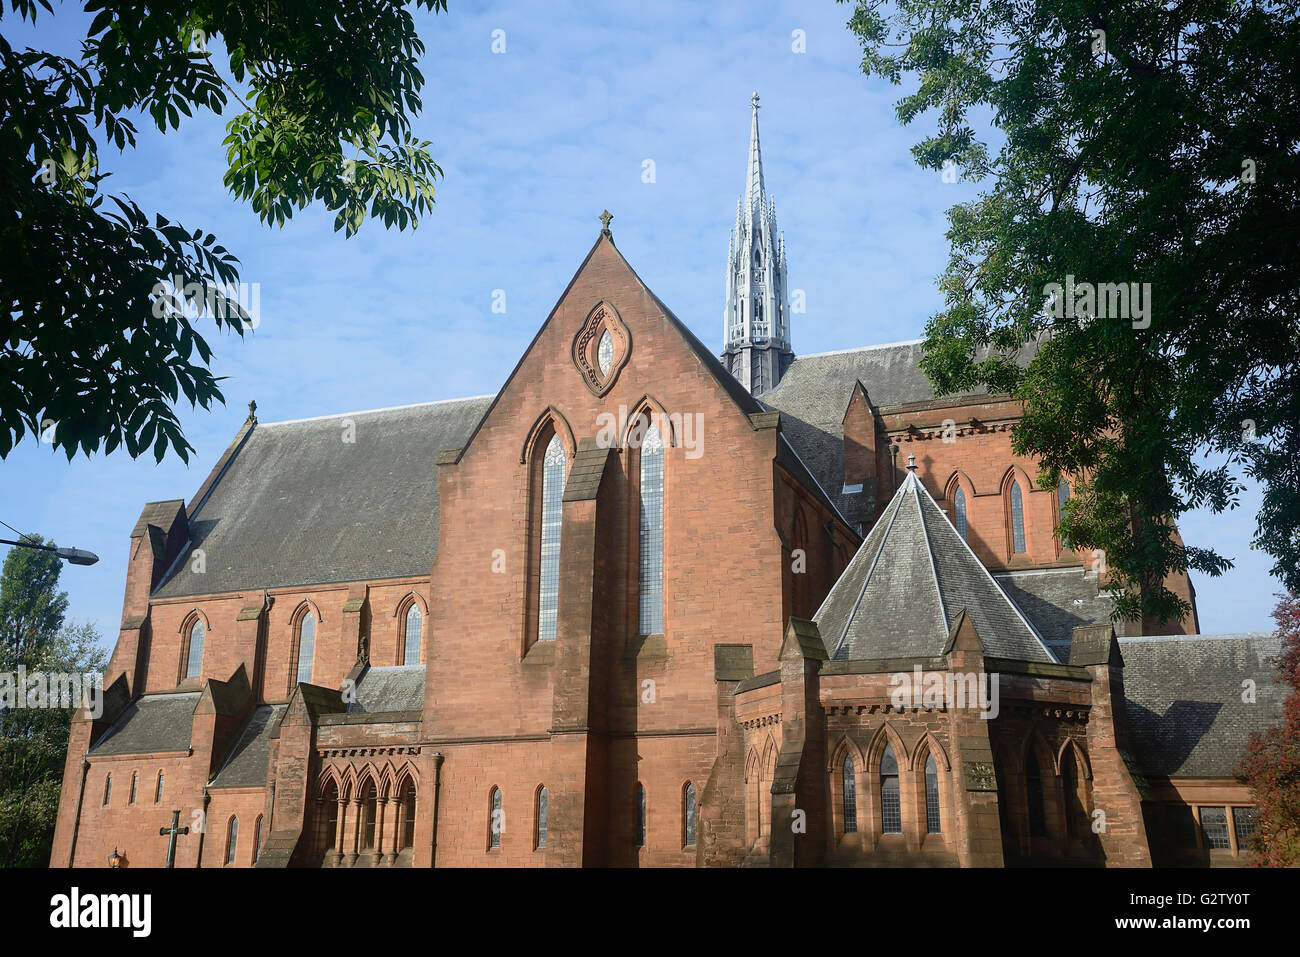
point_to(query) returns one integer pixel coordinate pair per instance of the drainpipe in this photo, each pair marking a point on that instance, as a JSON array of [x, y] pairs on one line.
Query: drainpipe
[[81, 797], [437, 783], [204, 829]]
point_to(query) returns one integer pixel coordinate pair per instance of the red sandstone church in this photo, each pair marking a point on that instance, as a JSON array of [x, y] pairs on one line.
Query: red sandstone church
[[643, 607]]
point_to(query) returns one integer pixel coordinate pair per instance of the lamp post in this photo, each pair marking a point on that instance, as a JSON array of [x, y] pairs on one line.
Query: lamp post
[[75, 556]]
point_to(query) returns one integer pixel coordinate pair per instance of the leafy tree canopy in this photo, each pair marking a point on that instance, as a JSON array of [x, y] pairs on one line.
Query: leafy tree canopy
[[99, 300], [1139, 142]]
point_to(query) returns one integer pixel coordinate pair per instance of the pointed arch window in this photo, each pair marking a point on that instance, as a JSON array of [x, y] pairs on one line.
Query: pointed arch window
[[1034, 794], [369, 808], [552, 519], [306, 647], [108, 789], [891, 808], [414, 633], [850, 797], [651, 581], [959, 512], [1017, 519], [1062, 496], [157, 791], [135, 781], [542, 814], [329, 837], [933, 823], [688, 815], [497, 822], [194, 657], [257, 838], [640, 815], [232, 839], [408, 816]]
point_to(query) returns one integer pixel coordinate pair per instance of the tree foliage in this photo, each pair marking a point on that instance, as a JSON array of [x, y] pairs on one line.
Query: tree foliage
[[34, 741], [1138, 142], [1272, 763], [99, 301]]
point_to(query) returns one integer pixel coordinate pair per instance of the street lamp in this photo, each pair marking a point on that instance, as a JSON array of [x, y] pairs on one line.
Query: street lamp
[[75, 556]]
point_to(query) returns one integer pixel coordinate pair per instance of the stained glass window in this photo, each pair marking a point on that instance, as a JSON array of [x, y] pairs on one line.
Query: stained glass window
[[552, 518], [959, 512], [494, 827], [605, 353], [306, 646], [891, 809], [689, 811], [195, 659], [850, 798], [651, 590], [1017, 519], [231, 840], [932, 821], [542, 811], [414, 625]]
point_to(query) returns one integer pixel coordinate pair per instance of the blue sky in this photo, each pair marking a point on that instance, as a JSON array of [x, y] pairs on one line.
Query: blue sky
[[534, 143]]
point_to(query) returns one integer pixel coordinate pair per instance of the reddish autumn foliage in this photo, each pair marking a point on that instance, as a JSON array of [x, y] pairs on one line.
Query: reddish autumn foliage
[[1272, 763]]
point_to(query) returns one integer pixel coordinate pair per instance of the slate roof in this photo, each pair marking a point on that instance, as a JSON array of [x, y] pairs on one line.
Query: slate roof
[[300, 506], [1057, 600], [814, 393], [152, 723], [1184, 698], [903, 589], [246, 766], [396, 688]]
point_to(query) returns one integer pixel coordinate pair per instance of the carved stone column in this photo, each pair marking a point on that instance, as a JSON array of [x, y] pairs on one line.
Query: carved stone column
[[353, 832]]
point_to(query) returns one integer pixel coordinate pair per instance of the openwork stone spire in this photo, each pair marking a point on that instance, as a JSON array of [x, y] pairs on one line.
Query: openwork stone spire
[[756, 322]]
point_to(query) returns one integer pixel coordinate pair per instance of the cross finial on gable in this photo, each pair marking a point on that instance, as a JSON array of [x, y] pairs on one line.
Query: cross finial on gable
[[605, 217]]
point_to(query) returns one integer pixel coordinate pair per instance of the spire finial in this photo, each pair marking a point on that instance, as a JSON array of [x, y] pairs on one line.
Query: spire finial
[[911, 463], [605, 217], [252, 409], [753, 100]]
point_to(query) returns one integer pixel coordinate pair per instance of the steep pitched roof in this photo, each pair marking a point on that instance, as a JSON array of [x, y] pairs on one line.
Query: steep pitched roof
[[1184, 699], [391, 688], [152, 723], [905, 587], [247, 764], [299, 505]]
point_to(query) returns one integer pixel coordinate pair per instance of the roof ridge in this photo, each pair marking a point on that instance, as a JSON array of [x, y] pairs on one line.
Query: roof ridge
[[387, 408], [848, 621], [845, 352], [1224, 636], [929, 553], [1033, 630]]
